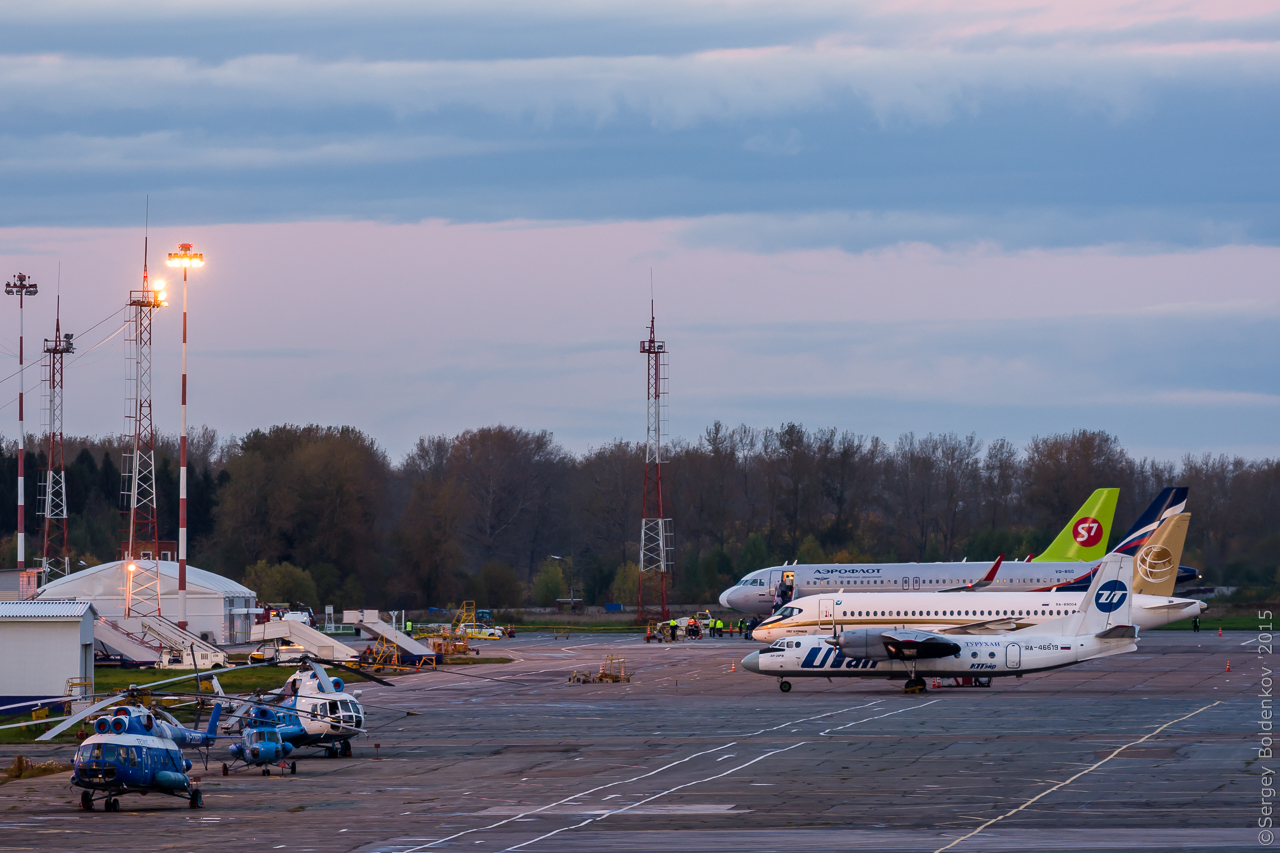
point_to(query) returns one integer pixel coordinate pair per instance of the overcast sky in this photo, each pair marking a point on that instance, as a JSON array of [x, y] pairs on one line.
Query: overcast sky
[[1005, 217]]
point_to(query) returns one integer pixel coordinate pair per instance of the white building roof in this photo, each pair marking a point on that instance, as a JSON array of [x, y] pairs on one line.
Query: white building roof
[[109, 578], [59, 610]]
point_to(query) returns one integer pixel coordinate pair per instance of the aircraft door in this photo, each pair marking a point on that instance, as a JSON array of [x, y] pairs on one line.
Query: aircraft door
[[906, 583], [915, 583], [1013, 655], [826, 612]]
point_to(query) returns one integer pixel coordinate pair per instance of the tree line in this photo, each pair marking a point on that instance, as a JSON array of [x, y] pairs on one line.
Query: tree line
[[508, 516]]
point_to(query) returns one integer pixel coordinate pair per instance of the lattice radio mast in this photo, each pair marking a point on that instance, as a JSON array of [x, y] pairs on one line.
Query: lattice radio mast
[[656, 538], [142, 538], [55, 554]]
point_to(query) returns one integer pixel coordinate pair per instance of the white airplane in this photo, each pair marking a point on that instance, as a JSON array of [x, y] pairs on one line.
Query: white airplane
[[1155, 571], [1068, 564], [1100, 629]]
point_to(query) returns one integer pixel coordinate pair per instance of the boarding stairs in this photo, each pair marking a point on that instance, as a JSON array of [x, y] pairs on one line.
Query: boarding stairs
[[370, 621], [179, 646], [117, 640], [304, 635]]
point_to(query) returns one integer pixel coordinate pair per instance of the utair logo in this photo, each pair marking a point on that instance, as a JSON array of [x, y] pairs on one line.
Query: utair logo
[[1111, 595], [1088, 531]]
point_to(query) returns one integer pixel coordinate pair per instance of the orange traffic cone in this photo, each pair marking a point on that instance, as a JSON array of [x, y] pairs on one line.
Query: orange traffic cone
[[1228, 666], [733, 665], [1219, 630]]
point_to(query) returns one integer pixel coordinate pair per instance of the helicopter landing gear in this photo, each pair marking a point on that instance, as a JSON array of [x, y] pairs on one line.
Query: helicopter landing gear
[[266, 771], [111, 804], [293, 768], [86, 801], [784, 686], [197, 800], [226, 771], [345, 749]]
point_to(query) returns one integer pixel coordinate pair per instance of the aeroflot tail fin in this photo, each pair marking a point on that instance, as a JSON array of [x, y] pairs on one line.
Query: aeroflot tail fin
[[1155, 566], [1170, 501], [1085, 538]]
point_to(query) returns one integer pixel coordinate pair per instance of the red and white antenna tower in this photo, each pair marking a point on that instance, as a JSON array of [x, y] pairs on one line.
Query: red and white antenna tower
[[55, 555], [656, 538], [142, 538], [22, 286]]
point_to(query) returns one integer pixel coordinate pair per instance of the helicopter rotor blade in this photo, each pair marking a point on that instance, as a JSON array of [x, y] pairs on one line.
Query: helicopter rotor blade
[[75, 718], [360, 672]]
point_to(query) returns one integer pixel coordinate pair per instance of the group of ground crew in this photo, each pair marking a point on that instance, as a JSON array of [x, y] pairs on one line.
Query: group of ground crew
[[715, 628]]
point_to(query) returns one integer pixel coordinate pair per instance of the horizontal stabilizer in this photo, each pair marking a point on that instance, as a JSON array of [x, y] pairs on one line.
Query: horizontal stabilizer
[[1173, 604], [1118, 632]]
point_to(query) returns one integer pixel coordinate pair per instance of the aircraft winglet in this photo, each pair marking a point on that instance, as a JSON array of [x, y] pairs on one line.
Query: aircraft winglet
[[985, 581]]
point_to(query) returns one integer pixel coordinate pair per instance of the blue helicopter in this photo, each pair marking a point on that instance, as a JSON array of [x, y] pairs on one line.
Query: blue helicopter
[[265, 740], [132, 751]]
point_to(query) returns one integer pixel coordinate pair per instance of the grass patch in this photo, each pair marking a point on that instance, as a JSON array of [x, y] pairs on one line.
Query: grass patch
[[1226, 623]]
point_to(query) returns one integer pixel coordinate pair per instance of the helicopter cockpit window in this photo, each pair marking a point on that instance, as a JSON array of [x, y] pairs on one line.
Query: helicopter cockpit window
[[108, 752], [333, 707], [272, 736]]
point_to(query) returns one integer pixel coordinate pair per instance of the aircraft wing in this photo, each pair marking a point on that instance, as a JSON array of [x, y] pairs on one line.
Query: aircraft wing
[[986, 626], [985, 581]]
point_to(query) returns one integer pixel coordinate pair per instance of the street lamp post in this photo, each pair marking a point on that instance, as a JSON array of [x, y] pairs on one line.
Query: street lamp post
[[185, 259], [23, 286]]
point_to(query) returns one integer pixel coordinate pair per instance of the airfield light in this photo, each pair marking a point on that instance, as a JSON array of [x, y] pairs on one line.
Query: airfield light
[[133, 567]]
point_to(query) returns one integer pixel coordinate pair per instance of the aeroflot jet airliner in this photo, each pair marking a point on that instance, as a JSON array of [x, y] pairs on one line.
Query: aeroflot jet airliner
[[990, 612], [1058, 568]]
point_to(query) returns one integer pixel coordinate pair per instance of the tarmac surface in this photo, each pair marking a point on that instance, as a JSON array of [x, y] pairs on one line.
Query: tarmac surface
[[690, 756]]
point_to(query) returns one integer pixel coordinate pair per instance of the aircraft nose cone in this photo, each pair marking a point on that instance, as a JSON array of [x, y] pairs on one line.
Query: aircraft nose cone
[[751, 663], [725, 598]]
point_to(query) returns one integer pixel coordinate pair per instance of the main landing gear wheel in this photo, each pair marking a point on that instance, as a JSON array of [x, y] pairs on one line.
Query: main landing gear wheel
[[784, 686], [346, 749], [86, 801], [197, 800], [111, 805], [266, 771], [293, 768], [226, 771], [915, 685]]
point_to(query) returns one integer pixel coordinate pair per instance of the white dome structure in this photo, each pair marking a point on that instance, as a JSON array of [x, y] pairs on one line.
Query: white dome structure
[[219, 610]]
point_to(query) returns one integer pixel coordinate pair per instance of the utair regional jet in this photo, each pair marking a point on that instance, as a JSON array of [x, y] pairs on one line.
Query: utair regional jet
[[1058, 568], [1102, 628], [1154, 570]]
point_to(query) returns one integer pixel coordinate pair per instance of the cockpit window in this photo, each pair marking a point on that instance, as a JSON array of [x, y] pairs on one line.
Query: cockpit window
[[788, 612], [108, 752]]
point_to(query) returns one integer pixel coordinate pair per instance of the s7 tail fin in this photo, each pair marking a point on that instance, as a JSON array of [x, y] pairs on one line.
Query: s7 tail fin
[[1085, 538]]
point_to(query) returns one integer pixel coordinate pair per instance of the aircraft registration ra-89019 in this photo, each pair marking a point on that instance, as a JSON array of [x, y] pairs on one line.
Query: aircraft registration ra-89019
[[1100, 629], [1059, 568], [1155, 567]]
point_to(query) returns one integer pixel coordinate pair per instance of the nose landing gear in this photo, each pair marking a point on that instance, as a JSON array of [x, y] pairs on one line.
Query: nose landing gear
[[784, 686]]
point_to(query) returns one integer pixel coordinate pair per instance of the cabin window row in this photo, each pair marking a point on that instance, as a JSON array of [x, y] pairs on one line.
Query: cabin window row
[[873, 613]]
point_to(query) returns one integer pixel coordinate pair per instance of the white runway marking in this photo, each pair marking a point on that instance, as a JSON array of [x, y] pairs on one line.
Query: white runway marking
[[826, 732], [1089, 769], [769, 754]]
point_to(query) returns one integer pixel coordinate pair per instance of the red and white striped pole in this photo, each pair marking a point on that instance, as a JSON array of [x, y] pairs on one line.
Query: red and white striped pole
[[22, 443], [23, 286], [185, 259]]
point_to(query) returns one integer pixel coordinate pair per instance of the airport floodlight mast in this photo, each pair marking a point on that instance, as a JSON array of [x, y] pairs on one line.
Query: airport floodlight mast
[[142, 539], [185, 259], [55, 555], [22, 286], [656, 539]]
